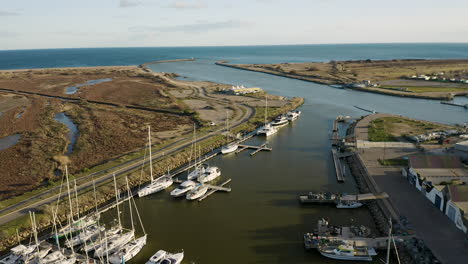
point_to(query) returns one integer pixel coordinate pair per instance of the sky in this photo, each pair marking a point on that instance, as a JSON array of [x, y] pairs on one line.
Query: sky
[[40, 24]]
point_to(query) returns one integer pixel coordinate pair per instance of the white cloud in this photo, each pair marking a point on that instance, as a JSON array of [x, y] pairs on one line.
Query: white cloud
[[192, 28], [129, 3], [187, 5], [6, 13]]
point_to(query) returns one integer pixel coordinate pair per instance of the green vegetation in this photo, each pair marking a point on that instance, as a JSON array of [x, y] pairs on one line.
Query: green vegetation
[[393, 162], [378, 131]]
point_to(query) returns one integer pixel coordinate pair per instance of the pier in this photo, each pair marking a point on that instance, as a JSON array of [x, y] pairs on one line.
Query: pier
[[256, 148], [331, 198], [454, 104], [215, 188], [338, 168]]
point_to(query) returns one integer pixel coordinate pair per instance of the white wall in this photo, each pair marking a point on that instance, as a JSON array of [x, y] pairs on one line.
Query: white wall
[[456, 215], [432, 196]]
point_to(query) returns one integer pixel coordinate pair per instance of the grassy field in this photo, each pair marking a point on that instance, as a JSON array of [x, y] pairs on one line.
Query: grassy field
[[393, 162], [393, 128]]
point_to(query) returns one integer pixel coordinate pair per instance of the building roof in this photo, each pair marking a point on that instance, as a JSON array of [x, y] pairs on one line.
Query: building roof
[[458, 193], [434, 161]]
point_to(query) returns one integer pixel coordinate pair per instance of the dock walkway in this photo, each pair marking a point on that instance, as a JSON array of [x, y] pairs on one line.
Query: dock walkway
[[215, 189], [338, 166]]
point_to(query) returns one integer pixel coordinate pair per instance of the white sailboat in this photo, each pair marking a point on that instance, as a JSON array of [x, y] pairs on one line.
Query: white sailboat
[[230, 147], [164, 257], [197, 192], [183, 188], [86, 234], [160, 183], [267, 129], [132, 248]]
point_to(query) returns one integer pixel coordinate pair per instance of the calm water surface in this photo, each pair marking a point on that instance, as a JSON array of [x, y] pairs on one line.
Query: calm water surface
[[261, 221], [9, 141], [73, 132]]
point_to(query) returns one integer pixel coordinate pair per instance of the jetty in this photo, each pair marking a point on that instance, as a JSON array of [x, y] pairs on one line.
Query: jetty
[[335, 198], [215, 188], [256, 148], [455, 104], [338, 167], [364, 109]]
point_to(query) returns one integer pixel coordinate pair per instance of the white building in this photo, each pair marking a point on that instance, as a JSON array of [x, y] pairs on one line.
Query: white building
[[457, 206]]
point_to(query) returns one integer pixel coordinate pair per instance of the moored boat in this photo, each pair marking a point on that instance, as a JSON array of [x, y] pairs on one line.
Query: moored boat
[[229, 148], [183, 188], [280, 121], [197, 192], [164, 257], [347, 250], [128, 251], [348, 204], [210, 174], [293, 115]]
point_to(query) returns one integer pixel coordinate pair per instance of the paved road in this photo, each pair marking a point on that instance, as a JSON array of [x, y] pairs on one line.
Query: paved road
[[440, 234], [22, 208]]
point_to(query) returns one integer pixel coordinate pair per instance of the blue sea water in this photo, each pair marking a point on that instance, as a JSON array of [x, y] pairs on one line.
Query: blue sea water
[[51, 58]]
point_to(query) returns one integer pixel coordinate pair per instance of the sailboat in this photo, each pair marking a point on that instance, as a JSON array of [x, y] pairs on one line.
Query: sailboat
[[121, 238], [132, 248], [160, 183], [267, 129], [202, 172], [230, 147]]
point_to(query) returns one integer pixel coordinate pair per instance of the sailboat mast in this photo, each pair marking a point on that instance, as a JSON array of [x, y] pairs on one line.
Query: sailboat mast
[[117, 202], [389, 241], [150, 159], [266, 108], [130, 203], [69, 194], [76, 198]]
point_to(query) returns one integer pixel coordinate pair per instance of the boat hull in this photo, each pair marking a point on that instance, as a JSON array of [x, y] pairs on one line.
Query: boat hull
[[154, 188], [229, 149], [341, 257]]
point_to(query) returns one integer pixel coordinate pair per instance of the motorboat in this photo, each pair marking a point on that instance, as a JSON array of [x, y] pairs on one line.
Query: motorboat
[[348, 204], [197, 192], [183, 188], [229, 148], [293, 115], [347, 250], [197, 172], [155, 186], [164, 257], [280, 121], [112, 245], [267, 130], [87, 234], [210, 174], [128, 251]]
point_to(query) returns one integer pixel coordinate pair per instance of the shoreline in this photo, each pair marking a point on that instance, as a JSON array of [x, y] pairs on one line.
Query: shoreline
[[449, 95]]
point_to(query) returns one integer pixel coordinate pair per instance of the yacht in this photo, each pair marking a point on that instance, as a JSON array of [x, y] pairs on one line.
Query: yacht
[[210, 174], [113, 244], [88, 233], [198, 171], [183, 188], [156, 185], [293, 115], [267, 128], [348, 204], [197, 192], [128, 251], [229, 148], [280, 121], [346, 250], [164, 257]]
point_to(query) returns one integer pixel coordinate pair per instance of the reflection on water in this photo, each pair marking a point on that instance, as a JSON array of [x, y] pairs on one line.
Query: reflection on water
[[9, 141], [74, 89], [73, 132]]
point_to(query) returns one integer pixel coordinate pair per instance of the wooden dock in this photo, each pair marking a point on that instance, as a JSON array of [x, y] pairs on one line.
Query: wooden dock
[[215, 188], [256, 148], [338, 167]]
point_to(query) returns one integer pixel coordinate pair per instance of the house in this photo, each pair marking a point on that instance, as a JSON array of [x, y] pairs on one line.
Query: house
[[238, 90], [431, 173], [457, 206]]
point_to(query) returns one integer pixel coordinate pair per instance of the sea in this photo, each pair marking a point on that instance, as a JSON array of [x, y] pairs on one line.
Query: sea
[[260, 220]]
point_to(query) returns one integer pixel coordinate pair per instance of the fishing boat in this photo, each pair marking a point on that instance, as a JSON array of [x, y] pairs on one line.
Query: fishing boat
[[347, 250], [197, 192], [231, 147], [128, 251], [267, 129], [280, 121], [156, 185], [164, 257], [183, 188], [348, 204], [293, 115], [210, 174]]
